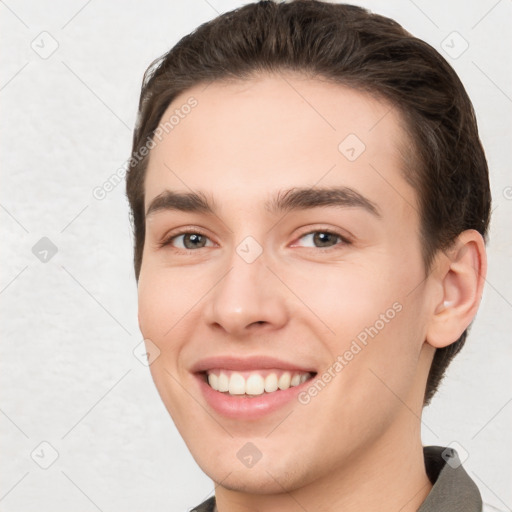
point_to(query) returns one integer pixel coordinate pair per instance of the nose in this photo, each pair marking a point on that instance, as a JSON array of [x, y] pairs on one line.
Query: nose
[[248, 298]]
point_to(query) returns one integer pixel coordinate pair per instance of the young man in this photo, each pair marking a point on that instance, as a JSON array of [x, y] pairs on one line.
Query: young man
[[310, 202]]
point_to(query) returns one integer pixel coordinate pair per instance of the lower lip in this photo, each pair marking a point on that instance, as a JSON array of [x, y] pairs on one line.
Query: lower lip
[[249, 408]]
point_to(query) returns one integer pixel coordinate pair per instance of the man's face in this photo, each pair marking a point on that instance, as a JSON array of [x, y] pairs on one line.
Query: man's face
[[261, 297]]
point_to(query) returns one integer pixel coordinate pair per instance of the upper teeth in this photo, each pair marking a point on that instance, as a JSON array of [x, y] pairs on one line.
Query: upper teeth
[[254, 383]]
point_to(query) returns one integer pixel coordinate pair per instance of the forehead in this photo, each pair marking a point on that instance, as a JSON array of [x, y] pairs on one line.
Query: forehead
[[275, 131]]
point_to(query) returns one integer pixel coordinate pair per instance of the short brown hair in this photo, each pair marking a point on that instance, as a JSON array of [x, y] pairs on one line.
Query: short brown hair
[[353, 47]]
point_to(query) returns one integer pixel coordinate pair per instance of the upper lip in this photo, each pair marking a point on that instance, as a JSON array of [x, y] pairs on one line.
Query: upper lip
[[246, 364]]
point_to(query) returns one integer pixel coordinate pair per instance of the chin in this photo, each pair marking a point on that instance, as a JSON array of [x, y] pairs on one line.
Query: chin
[[263, 480], [270, 475]]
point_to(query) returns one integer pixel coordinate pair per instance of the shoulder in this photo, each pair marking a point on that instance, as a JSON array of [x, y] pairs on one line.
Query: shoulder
[[206, 506]]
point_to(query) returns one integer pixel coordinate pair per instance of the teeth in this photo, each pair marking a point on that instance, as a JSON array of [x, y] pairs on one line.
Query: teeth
[[236, 384], [213, 380], [223, 383], [255, 383], [295, 380], [271, 383], [284, 380]]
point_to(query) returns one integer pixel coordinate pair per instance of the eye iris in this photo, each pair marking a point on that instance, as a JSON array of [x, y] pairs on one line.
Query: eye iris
[[195, 240], [323, 239]]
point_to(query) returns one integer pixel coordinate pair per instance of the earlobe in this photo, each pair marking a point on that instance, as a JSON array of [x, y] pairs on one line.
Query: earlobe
[[462, 275]]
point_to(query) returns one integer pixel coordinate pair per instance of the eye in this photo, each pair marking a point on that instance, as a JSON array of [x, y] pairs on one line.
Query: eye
[[323, 238], [190, 240]]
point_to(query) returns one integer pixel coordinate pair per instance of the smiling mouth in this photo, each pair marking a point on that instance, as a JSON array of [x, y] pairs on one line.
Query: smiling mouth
[[254, 383]]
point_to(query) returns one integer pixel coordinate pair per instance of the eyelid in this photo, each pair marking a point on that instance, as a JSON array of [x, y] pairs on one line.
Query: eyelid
[[344, 238], [185, 230]]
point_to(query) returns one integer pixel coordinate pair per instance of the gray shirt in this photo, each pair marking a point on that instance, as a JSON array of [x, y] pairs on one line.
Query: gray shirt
[[452, 491]]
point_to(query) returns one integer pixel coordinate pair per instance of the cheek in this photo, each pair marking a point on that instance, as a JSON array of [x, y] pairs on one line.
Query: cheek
[[370, 316], [348, 297], [152, 303], [160, 306]]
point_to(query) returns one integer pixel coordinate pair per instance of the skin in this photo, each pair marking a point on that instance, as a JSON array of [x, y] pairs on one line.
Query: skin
[[356, 445]]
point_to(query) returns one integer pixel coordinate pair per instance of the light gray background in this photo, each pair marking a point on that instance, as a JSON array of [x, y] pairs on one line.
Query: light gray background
[[69, 376]]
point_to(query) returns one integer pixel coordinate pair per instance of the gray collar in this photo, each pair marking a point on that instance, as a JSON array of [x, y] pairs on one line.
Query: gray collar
[[453, 490]]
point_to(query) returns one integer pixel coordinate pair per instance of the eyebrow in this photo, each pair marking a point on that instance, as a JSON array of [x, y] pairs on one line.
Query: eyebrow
[[285, 201]]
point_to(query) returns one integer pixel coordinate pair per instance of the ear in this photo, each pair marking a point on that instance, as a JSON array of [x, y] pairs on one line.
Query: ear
[[461, 273]]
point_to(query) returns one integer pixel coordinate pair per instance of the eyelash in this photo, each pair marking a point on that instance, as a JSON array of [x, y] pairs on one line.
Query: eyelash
[[344, 240]]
